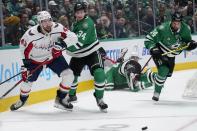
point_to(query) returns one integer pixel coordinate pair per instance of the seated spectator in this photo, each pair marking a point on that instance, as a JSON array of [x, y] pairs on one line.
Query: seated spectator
[[11, 30], [54, 10], [13, 7], [121, 31], [93, 14], [103, 28], [24, 24], [64, 21]]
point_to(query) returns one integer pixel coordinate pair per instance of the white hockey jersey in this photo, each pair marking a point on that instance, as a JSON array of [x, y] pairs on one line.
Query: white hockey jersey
[[37, 46]]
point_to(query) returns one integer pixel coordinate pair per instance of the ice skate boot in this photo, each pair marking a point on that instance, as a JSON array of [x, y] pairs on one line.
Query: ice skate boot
[[63, 104], [19, 103], [101, 104], [61, 101], [72, 98], [155, 96]]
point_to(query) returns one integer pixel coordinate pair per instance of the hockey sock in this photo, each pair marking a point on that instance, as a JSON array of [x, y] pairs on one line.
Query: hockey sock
[[160, 78], [74, 86], [99, 78], [61, 94], [148, 76], [24, 98]]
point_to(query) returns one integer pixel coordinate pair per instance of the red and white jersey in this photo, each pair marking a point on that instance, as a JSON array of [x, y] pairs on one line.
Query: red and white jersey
[[37, 46]]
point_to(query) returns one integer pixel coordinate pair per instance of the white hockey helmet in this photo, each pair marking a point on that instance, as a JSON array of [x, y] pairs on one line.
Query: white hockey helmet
[[43, 15]]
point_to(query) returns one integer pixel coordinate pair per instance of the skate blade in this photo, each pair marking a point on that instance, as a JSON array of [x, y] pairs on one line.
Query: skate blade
[[103, 110], [74, 101], [62, 107]]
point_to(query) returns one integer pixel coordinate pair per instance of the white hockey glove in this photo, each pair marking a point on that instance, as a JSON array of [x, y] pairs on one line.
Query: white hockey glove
[[71, 39]]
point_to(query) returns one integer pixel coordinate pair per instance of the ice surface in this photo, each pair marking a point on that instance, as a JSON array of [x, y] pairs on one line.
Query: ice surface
[[127, 111]]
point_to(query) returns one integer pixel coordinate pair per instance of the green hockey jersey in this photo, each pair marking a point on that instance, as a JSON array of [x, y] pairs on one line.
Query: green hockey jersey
[[167, 40], [118, 77], [87, 37]]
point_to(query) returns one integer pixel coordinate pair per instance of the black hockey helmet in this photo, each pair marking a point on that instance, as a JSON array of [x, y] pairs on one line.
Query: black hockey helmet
[[80, 6], [128, 67], [176, 16]]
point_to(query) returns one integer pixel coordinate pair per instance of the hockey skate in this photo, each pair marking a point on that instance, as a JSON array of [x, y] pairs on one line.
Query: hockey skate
[[63, 104], [101, 104], [17, 105], [72, 98], [155, 96]]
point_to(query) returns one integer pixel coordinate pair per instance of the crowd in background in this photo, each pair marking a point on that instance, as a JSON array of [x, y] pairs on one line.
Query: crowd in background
[[113, 18]]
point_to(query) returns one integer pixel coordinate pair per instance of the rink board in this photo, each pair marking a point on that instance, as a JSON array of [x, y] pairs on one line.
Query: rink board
[[45, 87]]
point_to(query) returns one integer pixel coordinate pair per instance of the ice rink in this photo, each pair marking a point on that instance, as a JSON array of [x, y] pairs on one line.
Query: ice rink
[[127, 111]]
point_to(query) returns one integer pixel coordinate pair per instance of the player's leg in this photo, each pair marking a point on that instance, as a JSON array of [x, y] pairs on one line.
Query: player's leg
[[160, 79], [148, 76], [76, 65], [73, 90], [109, 82], [26, 87], [61, 68], [165, 69], [96, 67]]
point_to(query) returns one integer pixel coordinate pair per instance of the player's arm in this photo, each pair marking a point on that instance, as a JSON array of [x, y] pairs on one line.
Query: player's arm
[[152, 39], [26, 46], [188, 40], [152, 42], [67, 38]]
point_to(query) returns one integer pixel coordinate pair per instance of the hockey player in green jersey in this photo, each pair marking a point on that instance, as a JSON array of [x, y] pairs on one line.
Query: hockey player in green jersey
[[85, 52], [173, 36], [125, 74]]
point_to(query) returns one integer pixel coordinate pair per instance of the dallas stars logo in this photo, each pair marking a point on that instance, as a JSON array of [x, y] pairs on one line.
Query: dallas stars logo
[[85, 25]]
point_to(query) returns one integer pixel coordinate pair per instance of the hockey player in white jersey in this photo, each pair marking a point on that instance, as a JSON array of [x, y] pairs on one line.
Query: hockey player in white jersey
[[45, 42]]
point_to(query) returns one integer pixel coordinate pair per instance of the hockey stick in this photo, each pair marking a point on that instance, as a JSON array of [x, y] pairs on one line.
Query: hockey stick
[[113, 61], [10, 78], [34, 70], [178, 49], [146, 64]]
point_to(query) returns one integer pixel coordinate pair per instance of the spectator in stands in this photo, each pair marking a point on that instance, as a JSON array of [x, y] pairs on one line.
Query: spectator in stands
[[93, 14], [103, 28], [119, 14], [12, 34], [64, 21], [148, 21], [24, 24], [54, 10], [13, 7], [121, 31], [67, 9], [162, 16]]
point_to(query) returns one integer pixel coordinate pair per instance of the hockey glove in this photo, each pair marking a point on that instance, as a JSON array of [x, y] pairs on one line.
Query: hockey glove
[[157, 55], [71, 40], [102, 52], [191, 45], [24, 73], [155, 52], [27, 63], [57, 49], [120, 60]]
